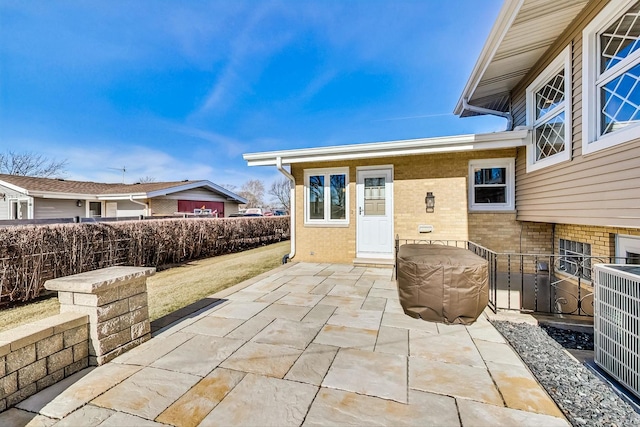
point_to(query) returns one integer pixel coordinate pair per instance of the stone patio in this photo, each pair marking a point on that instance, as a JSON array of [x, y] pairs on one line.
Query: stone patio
[[305, 344]]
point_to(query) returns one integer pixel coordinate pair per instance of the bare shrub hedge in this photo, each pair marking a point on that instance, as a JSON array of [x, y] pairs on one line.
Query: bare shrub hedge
[[30, 255]]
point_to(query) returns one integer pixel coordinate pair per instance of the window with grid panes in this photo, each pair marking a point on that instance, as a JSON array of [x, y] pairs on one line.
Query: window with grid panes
[[575, 258], [611, 74], [548, 112]]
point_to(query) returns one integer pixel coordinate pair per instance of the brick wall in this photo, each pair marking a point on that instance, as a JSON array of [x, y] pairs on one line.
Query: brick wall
[[446, 176], [160, 206], [601, 239], [501, 232], [37, 355]]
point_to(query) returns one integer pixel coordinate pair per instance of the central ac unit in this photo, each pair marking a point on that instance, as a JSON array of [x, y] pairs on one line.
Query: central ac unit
[[617, 323]]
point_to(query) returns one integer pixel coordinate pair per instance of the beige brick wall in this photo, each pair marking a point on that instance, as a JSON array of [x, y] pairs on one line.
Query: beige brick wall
[[601, 239], [161, 206], [445, 175], [501, 232]]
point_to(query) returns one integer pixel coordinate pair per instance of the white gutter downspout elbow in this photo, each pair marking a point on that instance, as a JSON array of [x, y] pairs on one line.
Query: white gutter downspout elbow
[[292, 208], [482, 110], [146, 206]]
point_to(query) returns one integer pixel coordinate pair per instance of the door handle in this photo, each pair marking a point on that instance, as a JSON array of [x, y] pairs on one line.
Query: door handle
[[360, 210]]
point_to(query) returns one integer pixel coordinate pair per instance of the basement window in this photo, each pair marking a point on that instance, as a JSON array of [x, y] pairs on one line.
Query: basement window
[[575, 258], [326, 196], [548, 113]]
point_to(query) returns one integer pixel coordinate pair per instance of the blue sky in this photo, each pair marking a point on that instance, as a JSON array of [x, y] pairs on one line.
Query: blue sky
[[180, 90]]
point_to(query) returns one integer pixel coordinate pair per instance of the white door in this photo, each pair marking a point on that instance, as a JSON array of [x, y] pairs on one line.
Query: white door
[[374, 212]]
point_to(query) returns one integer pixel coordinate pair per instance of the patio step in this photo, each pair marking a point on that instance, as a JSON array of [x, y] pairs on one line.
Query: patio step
[[374, 262]]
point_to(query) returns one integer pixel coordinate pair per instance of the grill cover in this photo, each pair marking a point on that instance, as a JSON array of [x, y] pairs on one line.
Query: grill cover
[[442, 283]]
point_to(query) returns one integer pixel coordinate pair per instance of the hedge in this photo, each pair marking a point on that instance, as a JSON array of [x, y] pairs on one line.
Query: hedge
[[30, 255]]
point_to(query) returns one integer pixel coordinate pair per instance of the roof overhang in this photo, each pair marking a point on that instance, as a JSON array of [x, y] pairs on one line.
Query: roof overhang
[[520, 36], [447, 144], [230, 196]]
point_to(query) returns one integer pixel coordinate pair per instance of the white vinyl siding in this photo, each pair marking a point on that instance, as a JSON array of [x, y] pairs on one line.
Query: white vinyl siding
[[599, 189], [57, 208]]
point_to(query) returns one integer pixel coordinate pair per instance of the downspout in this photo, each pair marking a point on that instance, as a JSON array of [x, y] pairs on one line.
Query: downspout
[[292, 209], [146, 206], [482, 110]]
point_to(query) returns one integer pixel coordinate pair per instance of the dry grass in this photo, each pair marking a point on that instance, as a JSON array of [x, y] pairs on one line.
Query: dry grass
[[176, 287]]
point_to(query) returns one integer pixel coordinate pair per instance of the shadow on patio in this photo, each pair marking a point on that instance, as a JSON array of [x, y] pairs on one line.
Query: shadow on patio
[[305, 344]]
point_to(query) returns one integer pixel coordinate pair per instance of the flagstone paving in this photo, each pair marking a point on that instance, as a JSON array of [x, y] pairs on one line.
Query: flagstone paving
[[305, 344]]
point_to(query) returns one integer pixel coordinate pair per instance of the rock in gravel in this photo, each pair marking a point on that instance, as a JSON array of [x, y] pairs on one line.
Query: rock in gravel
[[583, 397]]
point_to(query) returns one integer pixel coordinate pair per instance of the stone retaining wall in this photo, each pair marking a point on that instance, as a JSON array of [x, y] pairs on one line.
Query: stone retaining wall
[[37, 355], [103, 314], [115, 299]]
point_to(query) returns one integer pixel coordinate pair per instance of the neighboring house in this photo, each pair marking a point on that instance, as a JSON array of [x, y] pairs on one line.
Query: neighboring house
[[564, 177], [23, 197]]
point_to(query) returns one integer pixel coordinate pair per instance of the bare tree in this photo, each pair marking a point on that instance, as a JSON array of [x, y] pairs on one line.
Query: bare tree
[[281, 191], [253, 191], [229, 187], [146, 179], [31, 164]]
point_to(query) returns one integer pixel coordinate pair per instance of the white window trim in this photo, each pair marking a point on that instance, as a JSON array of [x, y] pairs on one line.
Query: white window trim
[[625, 243], [562, 61], [509, 165], [591, 141], [327, 221]]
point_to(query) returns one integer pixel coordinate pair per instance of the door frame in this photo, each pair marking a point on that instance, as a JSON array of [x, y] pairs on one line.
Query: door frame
[[390, 201]]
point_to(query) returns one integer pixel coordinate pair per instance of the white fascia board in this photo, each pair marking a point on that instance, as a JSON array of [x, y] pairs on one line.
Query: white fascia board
[[391, 149], [505, 19], [67, 196], [189, 186], [14, 187], [122, 196]]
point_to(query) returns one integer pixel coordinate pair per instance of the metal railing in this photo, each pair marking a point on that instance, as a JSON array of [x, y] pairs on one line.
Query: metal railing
[[542, 283]]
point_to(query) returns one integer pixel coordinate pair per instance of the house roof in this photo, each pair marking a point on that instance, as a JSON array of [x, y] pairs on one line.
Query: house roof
[[522, 33], [445, 144], [62, 188]]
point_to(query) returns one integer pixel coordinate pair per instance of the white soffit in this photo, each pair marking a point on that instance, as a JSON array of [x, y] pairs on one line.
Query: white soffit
[[522, 33], [445, 144]]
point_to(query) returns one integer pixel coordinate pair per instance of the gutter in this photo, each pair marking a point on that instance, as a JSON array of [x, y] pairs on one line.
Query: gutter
[[146, 206], [292, 209], [481, 110]]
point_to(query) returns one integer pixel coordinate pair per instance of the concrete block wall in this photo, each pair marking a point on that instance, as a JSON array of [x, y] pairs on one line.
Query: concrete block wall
[[37, 355], [115, 299]]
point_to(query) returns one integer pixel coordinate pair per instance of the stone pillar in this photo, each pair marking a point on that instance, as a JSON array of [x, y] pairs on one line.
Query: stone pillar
[[115, 299]]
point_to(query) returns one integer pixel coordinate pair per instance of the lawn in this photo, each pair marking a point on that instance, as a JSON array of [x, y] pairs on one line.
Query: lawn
[[176, 287]]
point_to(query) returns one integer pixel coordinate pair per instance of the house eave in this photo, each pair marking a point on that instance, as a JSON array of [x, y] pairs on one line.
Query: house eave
[[229, 195], [521, 35], [457, 143]]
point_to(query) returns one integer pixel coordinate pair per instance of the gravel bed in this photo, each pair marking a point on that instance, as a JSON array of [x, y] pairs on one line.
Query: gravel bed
[[582, 396]]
